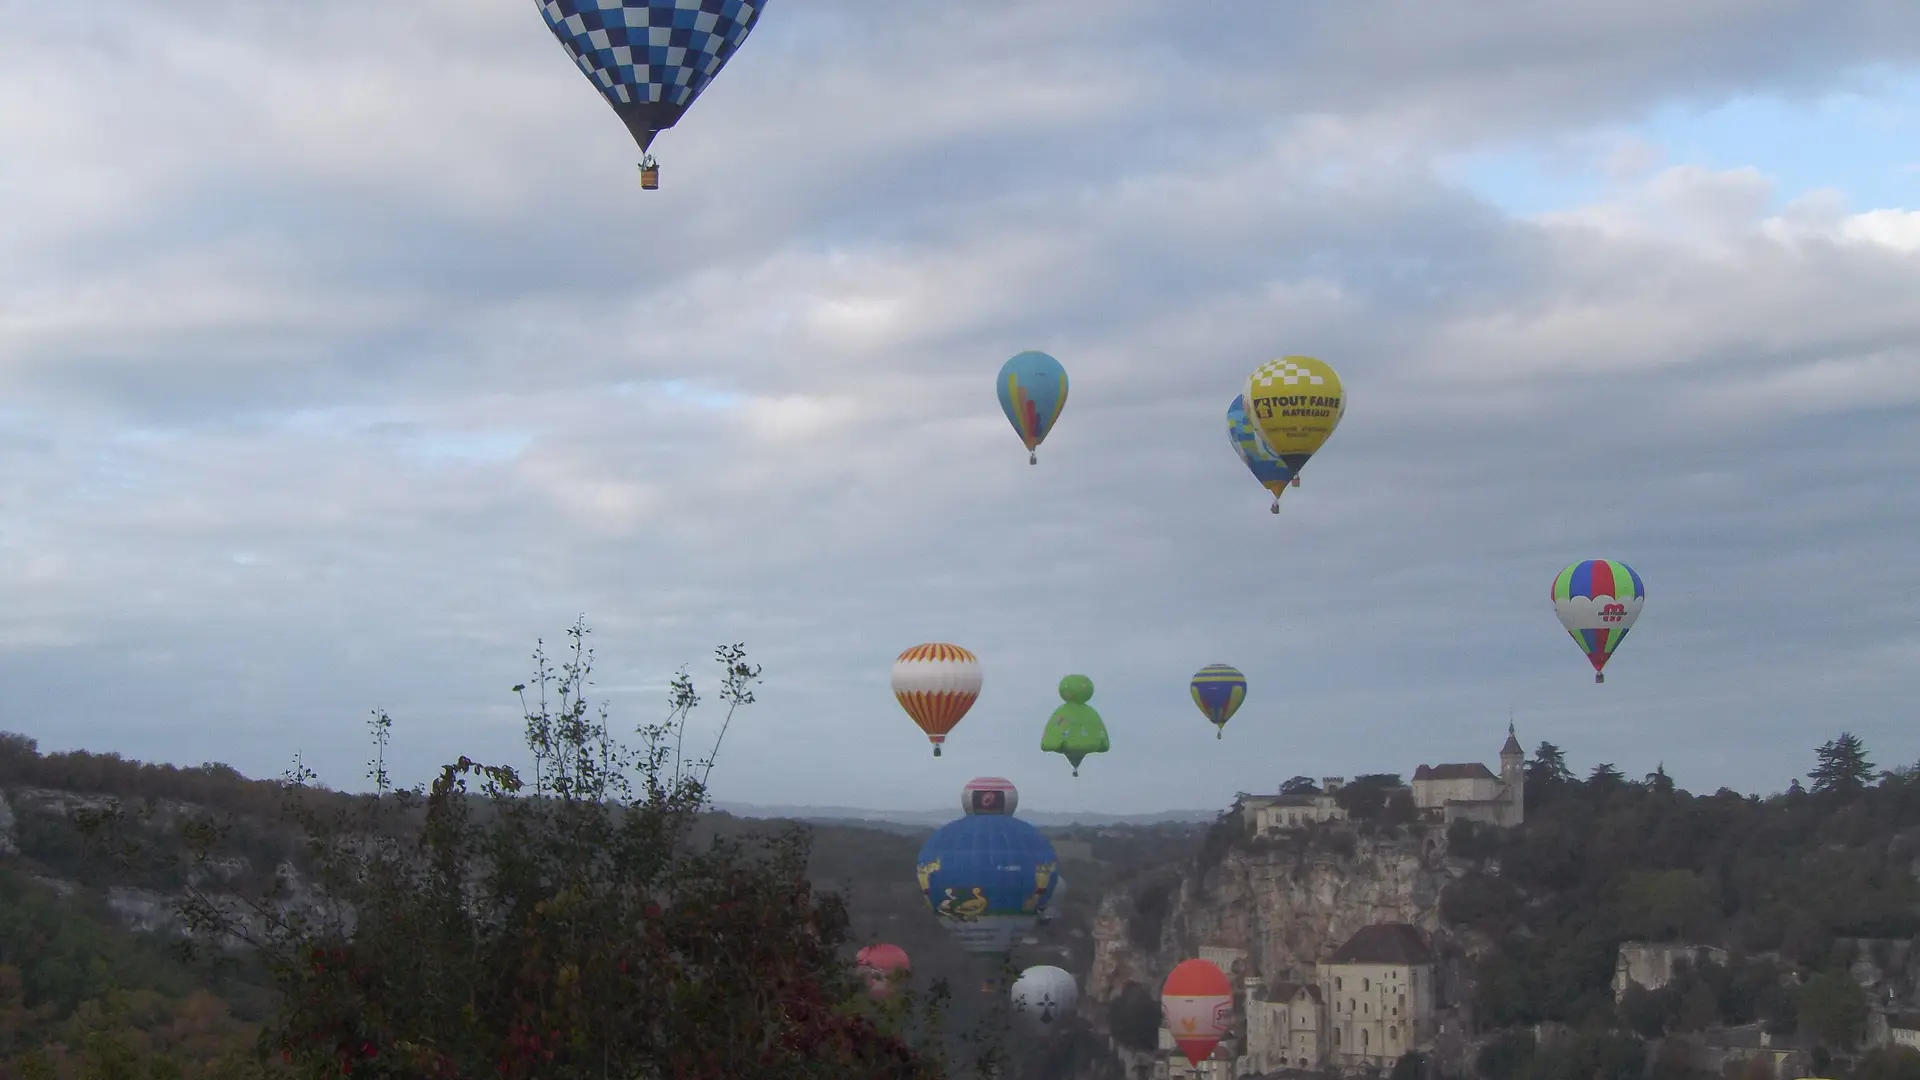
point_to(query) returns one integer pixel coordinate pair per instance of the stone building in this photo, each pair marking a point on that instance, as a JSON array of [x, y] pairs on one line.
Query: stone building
[[1370, 1002], [1379, 989], [1447, 793], [1285, 1025]]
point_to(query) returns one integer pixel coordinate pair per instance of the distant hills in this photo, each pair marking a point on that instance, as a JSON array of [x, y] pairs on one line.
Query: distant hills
[[914, 820]]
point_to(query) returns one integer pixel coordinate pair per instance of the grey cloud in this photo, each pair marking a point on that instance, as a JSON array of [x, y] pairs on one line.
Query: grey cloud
[[400, 377]]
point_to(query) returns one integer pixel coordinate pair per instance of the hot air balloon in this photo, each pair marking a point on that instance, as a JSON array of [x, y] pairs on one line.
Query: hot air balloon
[[989, 795], [986, 876], [1033, 390], [1052, 906], [650, 58], [1254, 451], [1219, 689], [1197, 1004], [883, 966], [936, 683], [1075, 729], [1296, 402], [1045, 995], [1598, 601]]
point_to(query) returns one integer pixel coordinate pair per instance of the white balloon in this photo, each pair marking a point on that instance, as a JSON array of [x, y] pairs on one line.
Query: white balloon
[[1045, 995]]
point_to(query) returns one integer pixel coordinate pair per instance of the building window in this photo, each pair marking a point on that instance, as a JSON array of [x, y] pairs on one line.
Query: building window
[[1366, 1007], [1366, 984], [1336, 982], [1336, 1036], [1403, 1001], [1393, 1032], [1363, 1038]]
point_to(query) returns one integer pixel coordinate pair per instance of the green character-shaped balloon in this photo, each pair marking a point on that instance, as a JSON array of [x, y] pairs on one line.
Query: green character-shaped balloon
[[1075, 729]]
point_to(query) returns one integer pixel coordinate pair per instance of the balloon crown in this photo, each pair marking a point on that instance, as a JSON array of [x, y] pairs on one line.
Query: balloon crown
[[1077, 689]]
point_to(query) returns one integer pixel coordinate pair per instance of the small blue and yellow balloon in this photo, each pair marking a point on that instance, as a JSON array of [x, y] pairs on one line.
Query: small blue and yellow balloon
[[1219, 689], [1254, 452], [1033, 390]]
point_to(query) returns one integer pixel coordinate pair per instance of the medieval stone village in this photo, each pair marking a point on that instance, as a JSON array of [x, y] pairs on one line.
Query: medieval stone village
[[1370, 994]]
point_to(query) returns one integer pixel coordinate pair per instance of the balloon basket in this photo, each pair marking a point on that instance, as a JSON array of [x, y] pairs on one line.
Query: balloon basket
[[936, 751], [1296, 483], [649, 174], [1599, 677], [1032, 458], [1275, 508]]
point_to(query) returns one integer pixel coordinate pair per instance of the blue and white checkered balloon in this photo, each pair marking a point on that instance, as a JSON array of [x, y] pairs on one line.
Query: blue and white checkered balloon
[[650, 58]]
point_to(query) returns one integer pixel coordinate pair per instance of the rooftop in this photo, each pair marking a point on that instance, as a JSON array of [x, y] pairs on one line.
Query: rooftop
[[1384, 943]]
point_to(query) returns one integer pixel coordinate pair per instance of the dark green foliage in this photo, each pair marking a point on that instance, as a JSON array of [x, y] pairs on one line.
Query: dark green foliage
[[1151, 905], [580, 922], [1609, 859], [1134, 1018], [1888, 1063], [1844, 768]]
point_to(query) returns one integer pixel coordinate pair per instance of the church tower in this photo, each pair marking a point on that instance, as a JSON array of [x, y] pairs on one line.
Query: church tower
[[1513, 773]]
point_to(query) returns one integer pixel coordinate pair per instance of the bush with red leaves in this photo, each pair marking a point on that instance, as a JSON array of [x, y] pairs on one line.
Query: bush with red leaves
[[568, 926]]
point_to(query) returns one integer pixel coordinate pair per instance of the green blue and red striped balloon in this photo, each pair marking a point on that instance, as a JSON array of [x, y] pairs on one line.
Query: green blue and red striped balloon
[[1598, 601]]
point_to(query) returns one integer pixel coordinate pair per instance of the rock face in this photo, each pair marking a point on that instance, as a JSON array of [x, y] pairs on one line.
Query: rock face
[[1287, 908]]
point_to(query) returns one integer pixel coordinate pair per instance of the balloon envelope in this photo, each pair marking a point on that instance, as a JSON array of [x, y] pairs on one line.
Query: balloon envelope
[[986, 876], [1075, 728], [1295, 403], [1598, 601], [936, 683], [1033, 390], [989, 795], [1045, 995], [650, 58], [879, 965], [1254, 452], [1218, 689], [1197, 1004]]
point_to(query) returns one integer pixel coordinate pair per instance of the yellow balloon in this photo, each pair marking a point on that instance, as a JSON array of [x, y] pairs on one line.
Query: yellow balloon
[[1295, 402]]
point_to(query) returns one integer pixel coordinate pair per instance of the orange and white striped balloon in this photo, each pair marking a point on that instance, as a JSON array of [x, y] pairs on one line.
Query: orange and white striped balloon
[[936, 683]]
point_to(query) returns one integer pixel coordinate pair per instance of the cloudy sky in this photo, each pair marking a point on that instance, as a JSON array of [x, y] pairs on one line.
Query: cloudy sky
[[343, 358]]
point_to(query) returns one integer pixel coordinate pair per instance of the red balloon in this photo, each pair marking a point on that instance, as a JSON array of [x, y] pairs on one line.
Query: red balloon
[[882, 964]]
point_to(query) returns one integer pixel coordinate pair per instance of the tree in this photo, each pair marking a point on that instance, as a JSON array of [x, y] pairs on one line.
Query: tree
[[1548, 767], [566, 924], [1658, 781], [1412, 1065], [1365, 799], [1844, 768], [1134, 1019], [1888, 1063], [1300, 785], [1666, 905], [1605, 779], [1833, 1009]]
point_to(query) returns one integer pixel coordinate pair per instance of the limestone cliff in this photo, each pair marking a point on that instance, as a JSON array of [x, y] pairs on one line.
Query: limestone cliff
[[1287, 906]]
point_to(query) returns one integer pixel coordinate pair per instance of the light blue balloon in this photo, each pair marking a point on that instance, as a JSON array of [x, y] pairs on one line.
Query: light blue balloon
[[1033, 390], [1254, 452]]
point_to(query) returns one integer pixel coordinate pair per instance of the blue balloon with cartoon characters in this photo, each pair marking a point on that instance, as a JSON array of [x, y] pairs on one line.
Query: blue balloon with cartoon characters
[[988, 878]]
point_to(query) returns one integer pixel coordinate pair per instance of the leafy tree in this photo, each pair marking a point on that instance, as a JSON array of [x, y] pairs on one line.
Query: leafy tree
[[1134, 1018], [1300, 785], [1413, 1066], [1666, 905], [1844, 768], [569, 923], [1833, 1009], [1365, 799], [1888, 1063], [1605, 779], [1658, 781], [1548, 767]]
